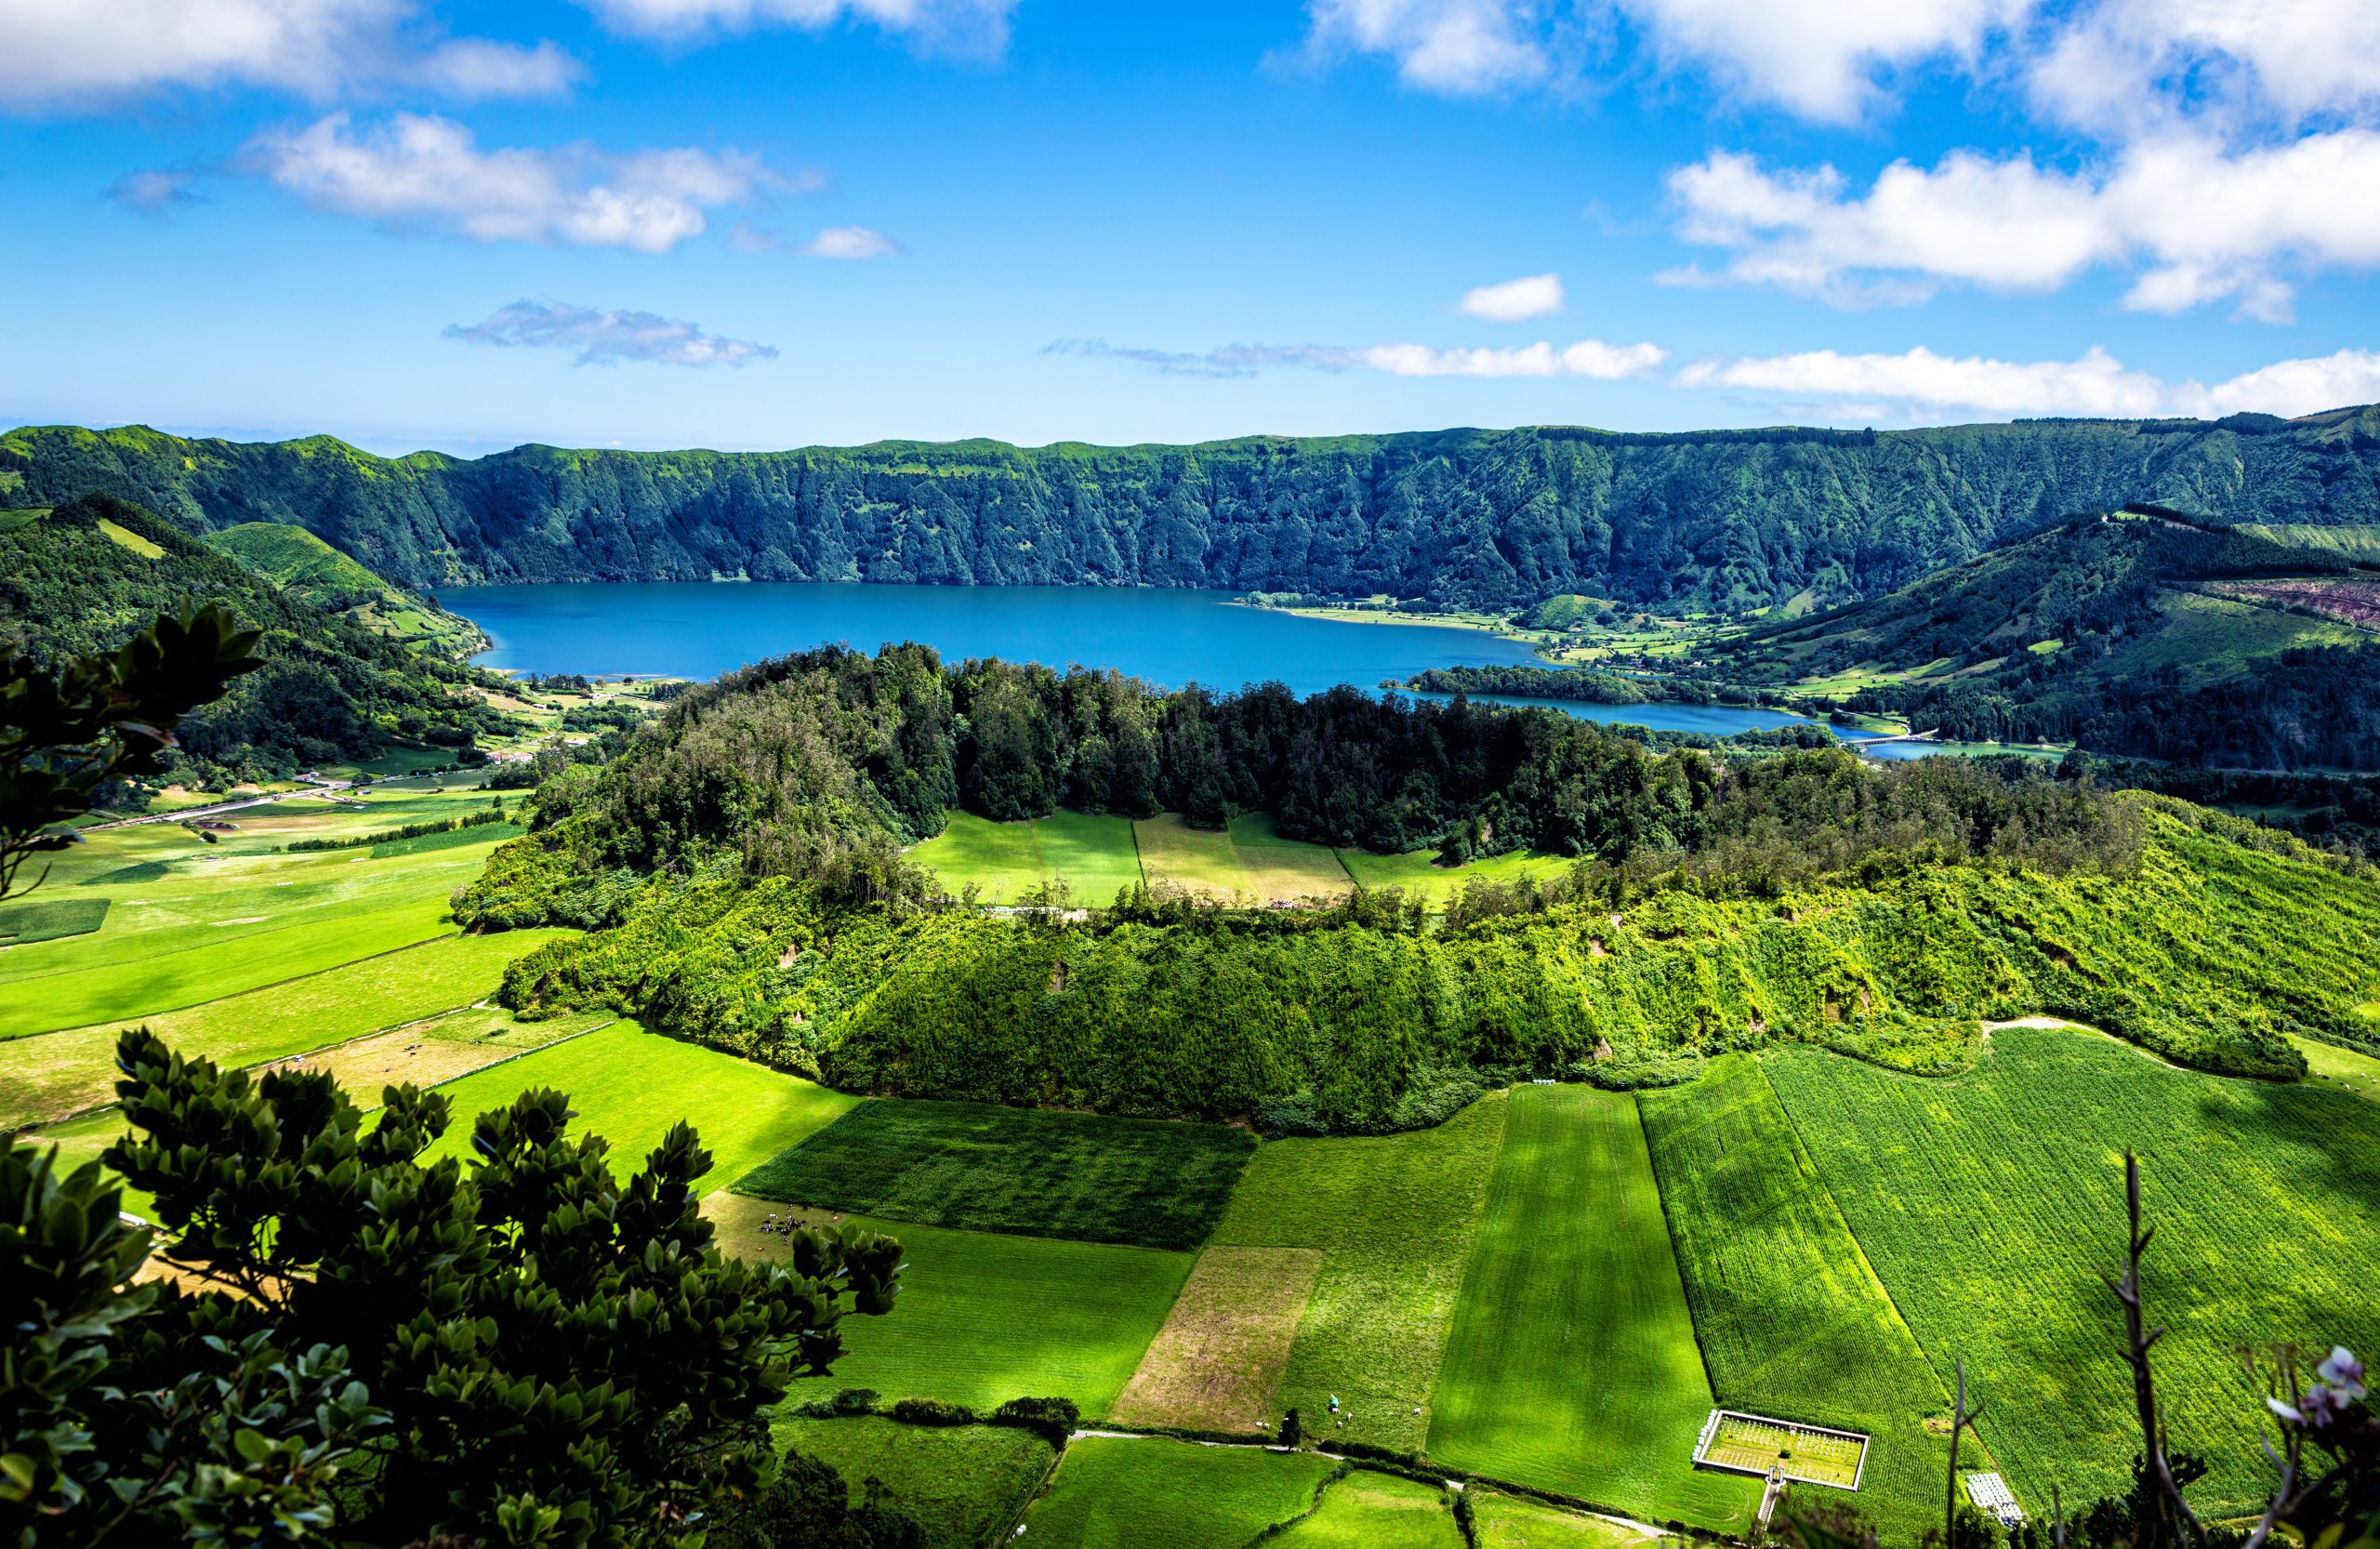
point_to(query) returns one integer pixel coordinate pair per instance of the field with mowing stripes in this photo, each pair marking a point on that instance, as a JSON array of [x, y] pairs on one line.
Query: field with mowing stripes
[[1572, 1364], [2010, 1178], [1392, 1218], [1219, 1359], [1792, 1321], [986, 1317], [1112, 1494], [1015, 1169]]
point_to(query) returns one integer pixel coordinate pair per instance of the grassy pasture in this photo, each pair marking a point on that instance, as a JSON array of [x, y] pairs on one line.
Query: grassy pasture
[[2347, 1069], [1792, 1322], [1393, 1217], [1501, 1521], [50, 919], [1278, 867], [55, 1073], [2010, 1178], [1572, 1364], [985, 1317], [1015, 1169], [1200, 859], [1418, 871], [1114, 1494], [961, 1483], [629, 1086], [1377, 1511], [1219, 1359], [1093, 855]]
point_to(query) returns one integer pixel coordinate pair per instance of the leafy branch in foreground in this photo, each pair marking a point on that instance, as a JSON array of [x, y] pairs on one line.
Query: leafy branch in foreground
[[67, 729]]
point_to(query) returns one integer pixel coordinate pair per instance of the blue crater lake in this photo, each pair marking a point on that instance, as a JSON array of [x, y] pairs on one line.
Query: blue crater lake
[[696, 630]]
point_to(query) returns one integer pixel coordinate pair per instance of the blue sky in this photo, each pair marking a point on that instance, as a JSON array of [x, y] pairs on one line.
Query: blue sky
[[761, 223]]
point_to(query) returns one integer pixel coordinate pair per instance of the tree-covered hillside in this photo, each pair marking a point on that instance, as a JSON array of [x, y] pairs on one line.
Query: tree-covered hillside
[[305, 566], [85, 576], [1727, 520], [2126, 631], [739, 863]]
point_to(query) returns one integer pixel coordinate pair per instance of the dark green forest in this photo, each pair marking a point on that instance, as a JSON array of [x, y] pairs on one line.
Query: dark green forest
[[1730, 521], [331, 689]]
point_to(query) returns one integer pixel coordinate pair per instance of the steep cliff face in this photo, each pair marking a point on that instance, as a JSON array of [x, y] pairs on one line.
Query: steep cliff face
[[1722, 519]]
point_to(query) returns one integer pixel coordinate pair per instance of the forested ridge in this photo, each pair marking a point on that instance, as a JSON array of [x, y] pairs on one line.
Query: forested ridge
[[2127, 632], [739, 864], [331, 688], [1725, 520]]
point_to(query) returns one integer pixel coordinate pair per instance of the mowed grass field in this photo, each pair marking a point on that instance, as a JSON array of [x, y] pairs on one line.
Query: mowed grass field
[[1094, 857], [1393, 1217], [1792, 1321], [985, 1317], [629, 1086], [1154, 1493], [1015, 1169], [49, 1074], [1377, 1511], [1572, 1364], [1218, 1361], [1991, 1202], [962, 1483], [1418, 871], [1501, 1521]]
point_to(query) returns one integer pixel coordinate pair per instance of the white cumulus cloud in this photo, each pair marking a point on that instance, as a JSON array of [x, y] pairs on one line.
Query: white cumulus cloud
[[1818, 59], [2192, 221], [2097, 385], [607, 338], [2126, 64], [80, 53], [958, 26], [1460, 48], [425, 173], [1515, 300]]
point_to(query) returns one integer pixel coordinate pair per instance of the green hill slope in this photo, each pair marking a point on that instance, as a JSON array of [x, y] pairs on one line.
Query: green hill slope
[[1724, 520], [300, 563], [87, 575], [2127, 632]]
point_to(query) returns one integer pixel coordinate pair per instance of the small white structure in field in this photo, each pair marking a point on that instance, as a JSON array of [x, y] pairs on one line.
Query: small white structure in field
[[1990, 1493]]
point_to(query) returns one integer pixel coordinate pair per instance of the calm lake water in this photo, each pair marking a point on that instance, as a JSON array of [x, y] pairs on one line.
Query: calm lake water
[[693, 630]]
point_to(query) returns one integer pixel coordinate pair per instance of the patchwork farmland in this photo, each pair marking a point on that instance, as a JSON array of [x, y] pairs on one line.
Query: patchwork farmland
[[1552, 1291]]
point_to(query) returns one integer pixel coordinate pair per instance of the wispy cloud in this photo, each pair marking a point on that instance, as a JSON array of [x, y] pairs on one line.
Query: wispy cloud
[[1513, 300], [849, 243], [607, 338], [1590, 358], [154, 190], [416, 173], [977, 28]]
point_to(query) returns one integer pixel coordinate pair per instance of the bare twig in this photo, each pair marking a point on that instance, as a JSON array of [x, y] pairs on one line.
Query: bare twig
[[2158, 1489]]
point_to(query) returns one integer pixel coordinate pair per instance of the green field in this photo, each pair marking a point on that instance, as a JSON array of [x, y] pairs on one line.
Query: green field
[[983, 1317], [1792, 1322], [1501, 1521], [1278, 867], [1419, 871], [2345, 1069], [1572, 1365], [1093, 856], [629, 1086], [1393, 1216], [1989, 1204], [963, 1483], [1015, 1169], [50, 919], [49, 1074], [1377, 1511], [1112, 1494]]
